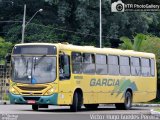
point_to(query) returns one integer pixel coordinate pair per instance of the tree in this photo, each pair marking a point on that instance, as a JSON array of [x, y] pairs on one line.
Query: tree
[[136, 44], [152, 45], [5, 47], [78, 22]]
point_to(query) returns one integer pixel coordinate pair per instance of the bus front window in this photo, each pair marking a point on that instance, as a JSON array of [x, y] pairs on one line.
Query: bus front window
[[33, 70]]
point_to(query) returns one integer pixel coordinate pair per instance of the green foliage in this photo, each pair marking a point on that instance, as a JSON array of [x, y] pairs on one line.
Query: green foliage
[[144, 43], [5, 47], [77, 23], [127, 43], [5, 96], [135, 45], [155, 101], [158, 110], [152, 45], [40, 33], [138, 40], [77, 20], [14, 34]]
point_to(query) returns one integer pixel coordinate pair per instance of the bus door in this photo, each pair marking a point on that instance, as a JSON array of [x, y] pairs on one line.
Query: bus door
[[64, 79]]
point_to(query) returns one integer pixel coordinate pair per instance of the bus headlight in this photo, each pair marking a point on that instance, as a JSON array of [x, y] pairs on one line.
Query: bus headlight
[[13, 90], [50, 91]]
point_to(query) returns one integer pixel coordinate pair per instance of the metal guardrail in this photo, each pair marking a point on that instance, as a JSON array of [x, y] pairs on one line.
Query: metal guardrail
[[4, 81]]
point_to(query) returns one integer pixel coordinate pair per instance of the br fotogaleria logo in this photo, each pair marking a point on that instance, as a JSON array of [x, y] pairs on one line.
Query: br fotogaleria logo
[[117, 6]]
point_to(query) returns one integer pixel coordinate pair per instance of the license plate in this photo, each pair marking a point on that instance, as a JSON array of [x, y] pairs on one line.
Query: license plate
[[31, 101]]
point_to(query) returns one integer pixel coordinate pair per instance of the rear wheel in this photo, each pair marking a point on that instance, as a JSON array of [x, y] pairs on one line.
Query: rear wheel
[[35, 107], [127, 102], [158, 94], [91, 106], [77, 102]]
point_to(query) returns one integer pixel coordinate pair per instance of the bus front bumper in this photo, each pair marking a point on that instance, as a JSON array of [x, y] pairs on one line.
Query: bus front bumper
[[20, 99]]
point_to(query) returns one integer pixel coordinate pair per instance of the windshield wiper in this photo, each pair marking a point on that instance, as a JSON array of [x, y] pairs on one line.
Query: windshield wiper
[[39, 60], [25, 63]]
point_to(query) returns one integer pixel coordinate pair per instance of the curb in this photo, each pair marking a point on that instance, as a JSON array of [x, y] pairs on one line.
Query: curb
[[4, 102], [155, 113], [146, 105], [134, 105]]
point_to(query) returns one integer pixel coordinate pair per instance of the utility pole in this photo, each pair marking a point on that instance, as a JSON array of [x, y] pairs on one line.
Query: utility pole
[[23, 25], [24, 21], [100, 24]]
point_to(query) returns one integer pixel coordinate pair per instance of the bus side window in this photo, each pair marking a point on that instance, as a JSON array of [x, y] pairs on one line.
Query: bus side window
[[124, 63], [101, 64], [135, 66], [145, 67], [76, 62], [64, 67], [113, 65], [152, 65], [88, 65]]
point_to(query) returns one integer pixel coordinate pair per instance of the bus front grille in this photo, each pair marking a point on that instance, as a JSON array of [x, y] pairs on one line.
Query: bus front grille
[[29, 93], [31, 98], [29, 88]]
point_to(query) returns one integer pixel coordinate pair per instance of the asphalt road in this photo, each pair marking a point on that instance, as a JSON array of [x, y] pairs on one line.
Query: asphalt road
[[24, 112]]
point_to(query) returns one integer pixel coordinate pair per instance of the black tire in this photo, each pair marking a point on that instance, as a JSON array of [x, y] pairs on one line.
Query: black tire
[[35, 107], [119, 106], [158, 94], [91, 106], [77, 102], [127, 102]]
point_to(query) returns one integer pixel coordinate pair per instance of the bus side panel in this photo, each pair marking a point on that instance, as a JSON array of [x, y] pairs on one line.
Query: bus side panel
[[102, 97], [66, 86], [139, 96], [151, 88], [65, 98], [101, 89], [89, 93], [146, 89], [89, 98], [65, 91]]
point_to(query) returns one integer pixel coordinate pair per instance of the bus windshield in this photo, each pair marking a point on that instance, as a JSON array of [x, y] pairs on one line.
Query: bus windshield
[[32, 70]]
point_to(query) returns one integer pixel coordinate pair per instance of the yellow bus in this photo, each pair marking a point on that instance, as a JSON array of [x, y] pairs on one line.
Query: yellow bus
[[63, 74]]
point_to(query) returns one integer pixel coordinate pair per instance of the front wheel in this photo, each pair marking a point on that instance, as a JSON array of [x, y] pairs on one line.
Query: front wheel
[[35, 107], [77, 102], [127, 102]]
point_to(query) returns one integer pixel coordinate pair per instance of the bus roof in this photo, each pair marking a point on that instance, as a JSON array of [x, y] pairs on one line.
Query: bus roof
[[92, 49], [113, 51]]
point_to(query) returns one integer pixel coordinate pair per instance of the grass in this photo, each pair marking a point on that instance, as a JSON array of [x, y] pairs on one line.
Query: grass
[[2, 62], [158, 110], [155, 101], [5, 97]]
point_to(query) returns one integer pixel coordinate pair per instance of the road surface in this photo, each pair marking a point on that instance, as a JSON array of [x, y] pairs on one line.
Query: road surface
[[24, 112]]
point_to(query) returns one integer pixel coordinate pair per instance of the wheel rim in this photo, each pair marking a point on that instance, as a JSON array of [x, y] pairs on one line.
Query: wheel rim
[[128, 100]]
